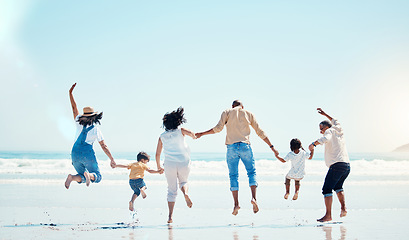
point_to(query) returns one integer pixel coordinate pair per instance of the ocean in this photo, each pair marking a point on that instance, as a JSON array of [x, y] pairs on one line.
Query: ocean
[[51, 167]]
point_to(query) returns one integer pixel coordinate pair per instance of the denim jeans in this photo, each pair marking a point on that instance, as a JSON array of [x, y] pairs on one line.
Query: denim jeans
[[235, 152], [83, 157], [336, 175], [136, 185]]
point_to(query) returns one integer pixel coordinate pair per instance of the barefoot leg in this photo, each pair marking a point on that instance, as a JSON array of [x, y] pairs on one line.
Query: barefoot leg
[[255, 206], [143, 194], [253, 199], [297, 189], [328, 205], [341, 198], [131, 207], [187, 199], [171, 205], [287, 188], [87, 178], [236, 202], [71, 178]]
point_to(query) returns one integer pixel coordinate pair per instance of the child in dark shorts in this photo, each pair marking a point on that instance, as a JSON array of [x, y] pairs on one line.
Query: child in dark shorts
[[136, 176]]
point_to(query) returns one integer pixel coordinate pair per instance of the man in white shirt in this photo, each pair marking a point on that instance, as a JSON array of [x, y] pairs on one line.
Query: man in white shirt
[[336, 158]]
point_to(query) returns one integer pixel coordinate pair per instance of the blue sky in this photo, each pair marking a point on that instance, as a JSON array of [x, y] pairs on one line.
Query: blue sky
[[137, 60]]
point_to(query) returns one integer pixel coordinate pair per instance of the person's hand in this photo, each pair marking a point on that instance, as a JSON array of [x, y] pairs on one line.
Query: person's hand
[[311, 147], [113, 164], [198, 135], [194, 136], [72, 87], [320, 111], [161, 170]]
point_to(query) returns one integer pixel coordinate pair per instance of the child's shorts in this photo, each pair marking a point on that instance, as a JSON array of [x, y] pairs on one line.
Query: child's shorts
[[136, 185]]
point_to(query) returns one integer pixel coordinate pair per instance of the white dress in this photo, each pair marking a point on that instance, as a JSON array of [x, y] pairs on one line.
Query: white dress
[[297, 170]]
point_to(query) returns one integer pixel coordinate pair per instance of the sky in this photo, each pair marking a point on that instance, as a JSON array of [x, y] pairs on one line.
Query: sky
[[137, 60]]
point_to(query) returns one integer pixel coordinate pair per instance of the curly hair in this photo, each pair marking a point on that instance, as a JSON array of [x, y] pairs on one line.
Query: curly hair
[[295, 144], [89, 120], [174, 119]]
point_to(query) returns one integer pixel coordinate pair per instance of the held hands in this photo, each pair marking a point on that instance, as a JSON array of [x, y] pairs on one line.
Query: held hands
[[198, 135], [160, 170], [113, 164], [311, 148]]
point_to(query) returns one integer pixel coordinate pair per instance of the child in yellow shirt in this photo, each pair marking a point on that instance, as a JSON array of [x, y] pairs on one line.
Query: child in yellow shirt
[[136, 176]]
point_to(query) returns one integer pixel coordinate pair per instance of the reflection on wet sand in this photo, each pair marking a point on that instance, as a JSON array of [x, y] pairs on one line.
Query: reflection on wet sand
[[328, 232], [236, 236]]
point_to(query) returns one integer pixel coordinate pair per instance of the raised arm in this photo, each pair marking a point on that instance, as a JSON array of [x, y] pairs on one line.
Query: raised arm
[[108, 153], [73, 104], [157, 155], [320, 111], [188, 132]]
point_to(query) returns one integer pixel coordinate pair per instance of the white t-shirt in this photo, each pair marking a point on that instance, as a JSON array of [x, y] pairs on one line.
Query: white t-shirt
[[93, 134], [335, 149], [174, 146], [297, 170]]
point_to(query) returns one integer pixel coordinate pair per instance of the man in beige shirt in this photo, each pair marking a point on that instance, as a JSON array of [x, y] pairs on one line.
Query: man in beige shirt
[[238, 122]]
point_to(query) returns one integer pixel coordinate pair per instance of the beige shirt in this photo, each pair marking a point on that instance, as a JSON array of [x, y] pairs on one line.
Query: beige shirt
[[238, 122]]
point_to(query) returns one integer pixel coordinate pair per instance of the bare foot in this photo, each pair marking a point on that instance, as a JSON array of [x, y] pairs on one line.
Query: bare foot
[[295, 196], [143, 194], [131, 206], [343, 213], [170, 220], [324, 219], [188, 201], [286, 195], [87, 178], [235, 210], [68, 181], [255, 206]]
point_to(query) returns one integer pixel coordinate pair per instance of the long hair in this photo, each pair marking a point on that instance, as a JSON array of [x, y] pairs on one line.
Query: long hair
[[89, 120], [174, 119]]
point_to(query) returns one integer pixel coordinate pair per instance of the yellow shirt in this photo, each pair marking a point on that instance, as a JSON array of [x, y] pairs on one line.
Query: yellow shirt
[[238, 122], [137, 170]]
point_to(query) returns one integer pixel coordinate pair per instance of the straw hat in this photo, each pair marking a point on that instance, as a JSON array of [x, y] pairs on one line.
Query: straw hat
[[89, 111]]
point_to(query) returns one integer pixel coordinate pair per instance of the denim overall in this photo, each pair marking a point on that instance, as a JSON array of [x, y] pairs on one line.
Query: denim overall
[[83, 157]]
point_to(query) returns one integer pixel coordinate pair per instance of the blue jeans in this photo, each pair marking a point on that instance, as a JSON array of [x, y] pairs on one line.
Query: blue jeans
[[86, 161], [136, 185], [336, 175], [235, 152]]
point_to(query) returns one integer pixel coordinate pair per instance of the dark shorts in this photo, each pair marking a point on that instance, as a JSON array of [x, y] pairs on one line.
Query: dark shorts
[[336, 175], [136, 185]]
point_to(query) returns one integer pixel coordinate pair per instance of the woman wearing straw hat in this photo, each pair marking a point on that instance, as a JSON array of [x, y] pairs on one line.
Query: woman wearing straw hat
[[82, 154]]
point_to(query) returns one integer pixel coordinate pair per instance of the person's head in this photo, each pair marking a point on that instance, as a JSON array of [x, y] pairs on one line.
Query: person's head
[[237, 103], [174, 119], [295, 144], [143, 156], [89, 117], [324, 125]]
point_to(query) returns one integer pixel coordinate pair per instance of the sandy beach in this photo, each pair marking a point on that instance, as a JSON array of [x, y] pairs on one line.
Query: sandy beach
[[39, 207]]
